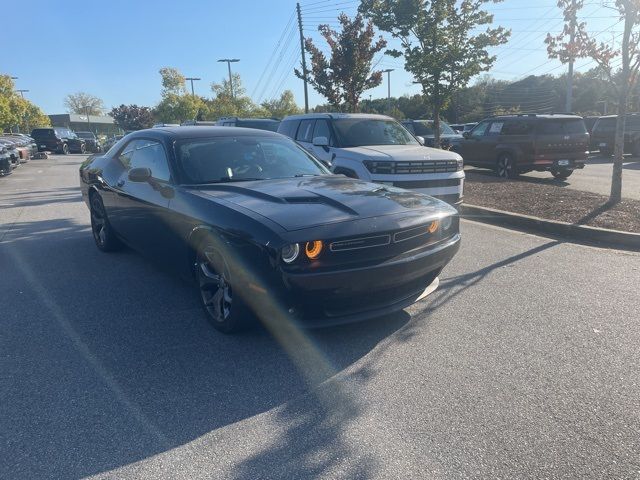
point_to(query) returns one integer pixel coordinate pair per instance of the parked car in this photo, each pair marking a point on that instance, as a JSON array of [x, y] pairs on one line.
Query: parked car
[[589, 122], [425, 129], [5, 161], [604, 131], [92, 144], [376, 148], [12, 152], [161, 125], [112, 141], [22, 153], [270, 124], [266, 228], [462, 127], [58, 139], [28, 142], [514, 144]]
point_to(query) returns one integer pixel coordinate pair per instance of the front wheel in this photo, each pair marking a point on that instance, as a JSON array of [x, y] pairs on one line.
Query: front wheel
[[83, 148], [65, 149], [506, 166], [225, 311], [561, 174], [103, 234]]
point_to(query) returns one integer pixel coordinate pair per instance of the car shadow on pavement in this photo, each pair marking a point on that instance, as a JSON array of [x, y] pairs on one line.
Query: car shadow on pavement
[[488, 176], [107, 361]]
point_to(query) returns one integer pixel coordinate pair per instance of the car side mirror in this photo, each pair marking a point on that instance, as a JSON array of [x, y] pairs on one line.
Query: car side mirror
[[420, 140], [466, 134], [140, 175], [321, 141]]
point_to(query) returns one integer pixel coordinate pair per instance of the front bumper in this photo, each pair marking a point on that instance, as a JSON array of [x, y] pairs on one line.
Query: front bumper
[[357, 294]]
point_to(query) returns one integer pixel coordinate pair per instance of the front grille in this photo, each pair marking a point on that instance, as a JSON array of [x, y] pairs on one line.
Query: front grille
[[412, 168], [449, 182]]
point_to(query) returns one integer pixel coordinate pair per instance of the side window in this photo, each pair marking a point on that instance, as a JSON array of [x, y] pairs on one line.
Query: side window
[[305, 131], [409, 126], [288, 128], [495, 128], [322, 130], [480, 129], [516, 127], [150, 154], [126, 154]]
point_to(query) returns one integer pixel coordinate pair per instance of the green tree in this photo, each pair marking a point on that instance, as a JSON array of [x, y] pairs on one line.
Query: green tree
[[283, 106], [224, 104], [582, 44], [174, 108], [84, 104], [172, 81], [438, 42], [17, 112], [132, 117], [349, 71]]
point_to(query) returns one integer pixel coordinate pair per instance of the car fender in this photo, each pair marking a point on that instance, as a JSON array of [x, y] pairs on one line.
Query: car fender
[[344, 165]]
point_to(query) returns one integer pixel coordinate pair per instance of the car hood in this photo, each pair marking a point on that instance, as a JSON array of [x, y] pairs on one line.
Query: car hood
[[298, 203], [402, 152]]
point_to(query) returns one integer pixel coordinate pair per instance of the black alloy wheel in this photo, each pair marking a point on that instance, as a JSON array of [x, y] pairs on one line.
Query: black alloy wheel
[[561, 174], [506, 166], [101, 228], [225, 311]]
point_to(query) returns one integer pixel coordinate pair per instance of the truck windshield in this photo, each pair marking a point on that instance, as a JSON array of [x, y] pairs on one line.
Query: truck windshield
[[357, 132]]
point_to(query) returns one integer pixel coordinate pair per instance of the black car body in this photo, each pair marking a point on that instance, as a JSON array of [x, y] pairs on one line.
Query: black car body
[[604, 132], [11, 150], [425, 129], [91, 141], [302, 245], [513, 144], [58, 139], [5, 161]]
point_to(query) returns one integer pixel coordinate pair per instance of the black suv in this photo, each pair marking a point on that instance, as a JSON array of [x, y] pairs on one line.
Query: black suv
[[514, 144], [425, 129], [58, 139], [92, 143], [604, 132]]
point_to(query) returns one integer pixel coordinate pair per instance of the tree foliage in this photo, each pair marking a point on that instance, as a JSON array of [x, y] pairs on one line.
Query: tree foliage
[[132, 117], [17, 113], [438, 42], [343, 77], [172, 81], [566, 47], [84, 103], [283, 106]]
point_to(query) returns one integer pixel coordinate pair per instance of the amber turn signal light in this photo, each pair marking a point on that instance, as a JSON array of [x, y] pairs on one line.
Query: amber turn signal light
[[313, 249], [433, 226]]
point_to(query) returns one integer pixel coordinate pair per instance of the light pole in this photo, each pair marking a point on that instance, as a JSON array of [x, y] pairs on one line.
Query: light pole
[[229, 62], [192, 79], [86, 109], [388, 72], [22, 92]]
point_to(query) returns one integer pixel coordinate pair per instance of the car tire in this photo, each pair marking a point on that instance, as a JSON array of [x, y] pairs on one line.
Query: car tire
[[506, 166], [103, 233], [83, 148], [561, 174], [65, 149], [225, 311]]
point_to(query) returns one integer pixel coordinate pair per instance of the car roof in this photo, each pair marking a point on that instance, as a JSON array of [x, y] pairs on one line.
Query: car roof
[[309, 116], [177, 133], [537, 115]]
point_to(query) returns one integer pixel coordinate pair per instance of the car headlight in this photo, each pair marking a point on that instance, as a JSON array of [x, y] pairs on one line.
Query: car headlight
[[290, 252], [446, 222], [460, 163]]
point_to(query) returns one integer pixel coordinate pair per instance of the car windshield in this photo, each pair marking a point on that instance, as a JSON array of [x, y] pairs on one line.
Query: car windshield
[[46, 132], [88, 135], [357, 132], [426, 128], [243, 158]]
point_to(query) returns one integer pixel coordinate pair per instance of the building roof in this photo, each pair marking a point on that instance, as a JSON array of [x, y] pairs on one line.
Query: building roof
[[76, 118]]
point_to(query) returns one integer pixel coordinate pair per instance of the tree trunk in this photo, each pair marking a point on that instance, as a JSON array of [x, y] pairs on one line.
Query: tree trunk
[[436, 122], [618, 146]]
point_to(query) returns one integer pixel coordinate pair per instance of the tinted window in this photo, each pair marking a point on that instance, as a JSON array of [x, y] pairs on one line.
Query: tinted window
[[516, 127], [426, 128], [605, 125], [224, 159], [480, 129], [42, 133], [150, 154], [632, 123], [87, 135], [126, 154], [305, 131], [260, 125], [288, 128], [561, 127], [322, 130], [356, 132]]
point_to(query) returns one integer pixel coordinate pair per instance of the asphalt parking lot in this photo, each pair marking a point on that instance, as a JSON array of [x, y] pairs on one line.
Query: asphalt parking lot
[[524, 364]]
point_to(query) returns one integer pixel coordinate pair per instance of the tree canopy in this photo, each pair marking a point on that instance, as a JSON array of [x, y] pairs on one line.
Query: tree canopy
[[132, 117], [17, 113], [84, 104], [348, 72]]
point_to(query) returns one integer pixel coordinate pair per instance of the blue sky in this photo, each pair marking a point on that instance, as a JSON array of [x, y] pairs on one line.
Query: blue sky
[[114, 49]]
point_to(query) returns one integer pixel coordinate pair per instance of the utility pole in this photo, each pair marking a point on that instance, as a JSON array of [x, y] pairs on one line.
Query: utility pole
[[572, 36], [22, 92], [229, 62], [191, 79], [388, 72], [86, 109], [304, 61]]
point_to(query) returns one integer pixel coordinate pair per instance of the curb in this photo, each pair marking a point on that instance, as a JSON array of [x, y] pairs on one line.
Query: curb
[[572, 232]]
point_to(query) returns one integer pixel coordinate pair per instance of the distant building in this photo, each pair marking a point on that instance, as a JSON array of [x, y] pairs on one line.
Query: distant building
[[98, 124]]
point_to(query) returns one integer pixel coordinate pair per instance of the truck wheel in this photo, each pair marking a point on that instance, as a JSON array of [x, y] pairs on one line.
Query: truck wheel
[[506, 166], [561, 174]]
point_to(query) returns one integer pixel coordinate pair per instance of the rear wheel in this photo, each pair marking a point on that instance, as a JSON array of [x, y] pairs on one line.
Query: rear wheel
[[103, 234], [65, 149], [83, 148], [225, 311], [506, 166], [562, 173]]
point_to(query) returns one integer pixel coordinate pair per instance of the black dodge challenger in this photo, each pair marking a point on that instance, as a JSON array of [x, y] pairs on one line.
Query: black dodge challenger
[[264, 228]]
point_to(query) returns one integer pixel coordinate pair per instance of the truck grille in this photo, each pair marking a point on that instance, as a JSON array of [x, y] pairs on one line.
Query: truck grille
[[412, 168]]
